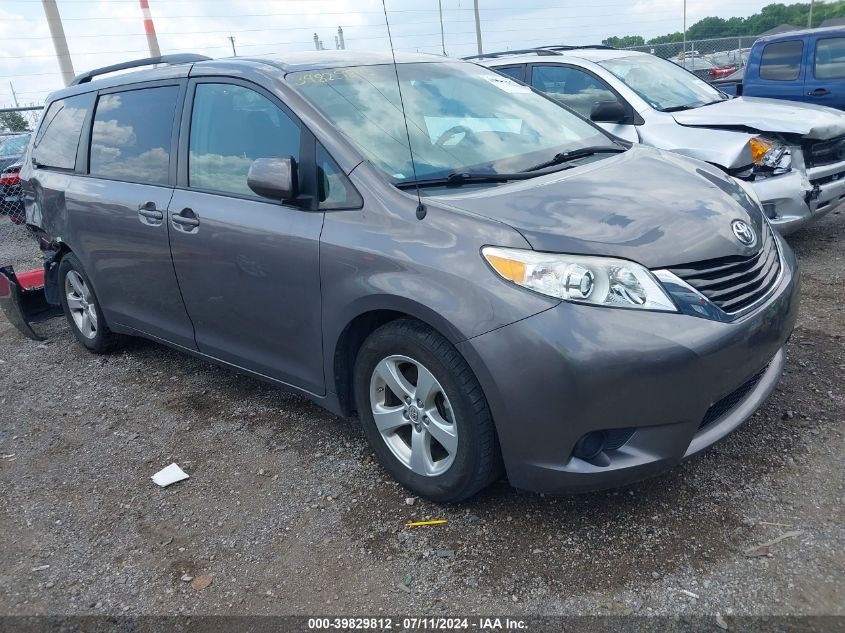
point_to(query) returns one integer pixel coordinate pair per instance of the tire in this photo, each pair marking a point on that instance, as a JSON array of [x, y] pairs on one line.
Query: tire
[[392, 361], [84, 315]]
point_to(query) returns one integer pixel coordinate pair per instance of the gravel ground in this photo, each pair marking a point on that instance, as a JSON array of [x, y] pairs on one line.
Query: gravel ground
[[287, 513]]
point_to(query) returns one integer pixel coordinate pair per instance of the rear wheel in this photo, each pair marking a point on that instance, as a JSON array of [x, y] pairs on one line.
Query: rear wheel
[[82, 310], [424, 412]]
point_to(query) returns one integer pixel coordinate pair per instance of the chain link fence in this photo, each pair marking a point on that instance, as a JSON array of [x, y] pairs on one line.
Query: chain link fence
[[16, 240], [708, 59]]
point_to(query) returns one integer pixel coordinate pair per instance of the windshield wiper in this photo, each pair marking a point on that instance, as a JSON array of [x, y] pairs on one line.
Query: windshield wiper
[[458, 179], [564, 157], [680, 108]]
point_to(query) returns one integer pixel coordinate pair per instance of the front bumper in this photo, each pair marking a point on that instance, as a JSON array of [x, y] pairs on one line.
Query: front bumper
[[554, 377], [794, 199]]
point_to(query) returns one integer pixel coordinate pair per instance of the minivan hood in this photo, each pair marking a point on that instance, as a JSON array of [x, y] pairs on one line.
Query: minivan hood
[[768, 115], [657, 208]]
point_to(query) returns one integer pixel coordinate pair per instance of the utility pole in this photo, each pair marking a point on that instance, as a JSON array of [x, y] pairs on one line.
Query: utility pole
[[54, 21], [685, 30], [478, 27], [442, 36], [810, 18], [232, 40], [14, 96], [152, 40]]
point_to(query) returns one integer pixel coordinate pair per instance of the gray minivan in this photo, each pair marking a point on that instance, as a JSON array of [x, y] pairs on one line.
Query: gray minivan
[[488, 283]]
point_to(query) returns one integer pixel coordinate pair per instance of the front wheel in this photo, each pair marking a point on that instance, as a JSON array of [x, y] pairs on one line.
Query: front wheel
[[424, 413]]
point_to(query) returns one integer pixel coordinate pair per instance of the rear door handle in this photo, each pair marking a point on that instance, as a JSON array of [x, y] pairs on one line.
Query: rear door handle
[[186, 220], [148, 214], [819, 92]]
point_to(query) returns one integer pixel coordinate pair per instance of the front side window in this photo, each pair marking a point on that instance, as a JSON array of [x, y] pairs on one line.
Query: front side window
[[460, 117], [830, 58], [572, 87], [663, 85], [231, 126], [336, 192], [132, 133], [781, 61], [57, 139]]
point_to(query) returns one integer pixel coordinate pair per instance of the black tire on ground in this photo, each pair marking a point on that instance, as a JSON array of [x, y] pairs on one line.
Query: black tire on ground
[[104, 341], [477, 462]]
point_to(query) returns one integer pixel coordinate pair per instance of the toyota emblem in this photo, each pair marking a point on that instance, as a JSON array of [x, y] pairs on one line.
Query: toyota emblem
[[744, 233]]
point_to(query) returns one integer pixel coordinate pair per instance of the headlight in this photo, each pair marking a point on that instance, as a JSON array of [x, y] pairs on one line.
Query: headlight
[[580, 278], [768, 153]]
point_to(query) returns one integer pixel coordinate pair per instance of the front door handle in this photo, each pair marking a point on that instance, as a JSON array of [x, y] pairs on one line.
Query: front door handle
[[148, 214], [819, 92], [186, 220]]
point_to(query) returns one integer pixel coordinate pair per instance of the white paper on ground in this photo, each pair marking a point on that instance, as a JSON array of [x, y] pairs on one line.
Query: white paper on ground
[[169, 475]]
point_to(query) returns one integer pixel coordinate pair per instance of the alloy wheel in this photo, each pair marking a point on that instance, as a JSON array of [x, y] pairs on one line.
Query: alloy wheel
[[413, 415], [80, 303]]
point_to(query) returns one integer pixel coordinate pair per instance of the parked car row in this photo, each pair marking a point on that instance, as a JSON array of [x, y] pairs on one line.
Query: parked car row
[[786, 152], [12, 148], [488, 279]]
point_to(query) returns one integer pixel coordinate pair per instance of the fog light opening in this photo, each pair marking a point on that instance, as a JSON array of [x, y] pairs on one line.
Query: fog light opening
[[770, 211], [590, 446]]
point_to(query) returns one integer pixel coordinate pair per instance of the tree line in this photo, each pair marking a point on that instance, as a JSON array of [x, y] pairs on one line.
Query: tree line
[[769, 17]]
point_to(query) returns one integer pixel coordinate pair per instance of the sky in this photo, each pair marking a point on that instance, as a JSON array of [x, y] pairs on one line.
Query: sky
[[105, 32]]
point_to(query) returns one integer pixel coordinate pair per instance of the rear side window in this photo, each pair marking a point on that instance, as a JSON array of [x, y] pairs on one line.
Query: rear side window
[[781, 61], [132, 134], [514, 72], [830, 58], [231, 126], [58, 137]]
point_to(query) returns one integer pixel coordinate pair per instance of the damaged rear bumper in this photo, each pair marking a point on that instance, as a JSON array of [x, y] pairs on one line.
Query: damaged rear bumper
[[23, 300], [794, 199]]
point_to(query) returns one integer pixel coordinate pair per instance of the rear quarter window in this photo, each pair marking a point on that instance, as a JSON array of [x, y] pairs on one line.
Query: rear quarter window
[[781, 61], [57, 139]]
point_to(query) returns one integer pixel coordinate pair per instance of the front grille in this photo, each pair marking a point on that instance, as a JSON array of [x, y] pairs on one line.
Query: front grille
[[825, 152], [724, 406], [736, 282]]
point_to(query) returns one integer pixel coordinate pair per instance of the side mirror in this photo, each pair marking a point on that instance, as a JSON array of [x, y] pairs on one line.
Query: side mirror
[[274, 178], [609, 112]]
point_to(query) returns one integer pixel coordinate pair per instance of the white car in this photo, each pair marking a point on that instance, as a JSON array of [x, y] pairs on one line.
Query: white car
[[792, 154]]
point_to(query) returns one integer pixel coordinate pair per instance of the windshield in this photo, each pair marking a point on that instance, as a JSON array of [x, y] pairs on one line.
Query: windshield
[[13, 145], [664, 85], [461, 118]]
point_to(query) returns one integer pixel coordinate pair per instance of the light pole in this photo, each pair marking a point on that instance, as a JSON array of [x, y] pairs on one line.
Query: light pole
[[54, 21], [150, 30], [810, 17], [478, 27], [442, 36]]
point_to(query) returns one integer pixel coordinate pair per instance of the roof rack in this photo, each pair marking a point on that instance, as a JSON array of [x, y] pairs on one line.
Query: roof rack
[[519, 51], [182, 58], [539, 50], [570, 47]]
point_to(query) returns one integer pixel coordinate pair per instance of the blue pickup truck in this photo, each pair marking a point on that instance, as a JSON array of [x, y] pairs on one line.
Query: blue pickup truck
[[804, 66]]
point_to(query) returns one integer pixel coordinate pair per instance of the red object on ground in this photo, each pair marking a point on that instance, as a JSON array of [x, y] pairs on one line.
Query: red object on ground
[[31, 279]]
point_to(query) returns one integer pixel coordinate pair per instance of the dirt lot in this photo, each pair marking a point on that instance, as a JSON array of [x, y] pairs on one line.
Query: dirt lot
[[288, 514]]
